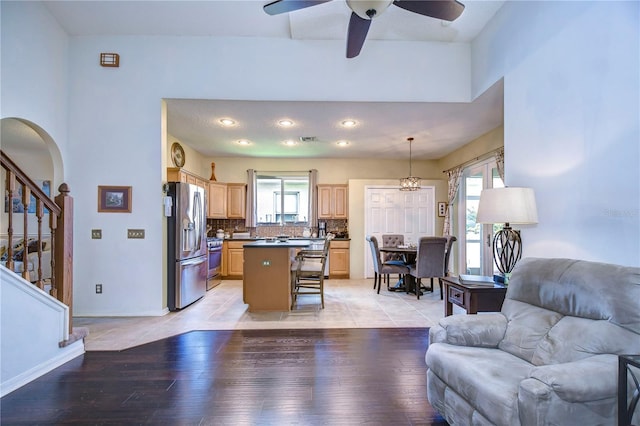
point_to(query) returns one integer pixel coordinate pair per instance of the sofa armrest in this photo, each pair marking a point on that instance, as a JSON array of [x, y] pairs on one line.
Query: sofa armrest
[[484, 330], [589, 379]]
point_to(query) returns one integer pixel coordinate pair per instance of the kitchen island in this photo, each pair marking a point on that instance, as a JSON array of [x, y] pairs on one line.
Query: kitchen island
[[267, 273]]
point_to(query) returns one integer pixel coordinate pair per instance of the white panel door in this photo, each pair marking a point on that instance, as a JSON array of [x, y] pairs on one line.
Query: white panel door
[[391, 211]]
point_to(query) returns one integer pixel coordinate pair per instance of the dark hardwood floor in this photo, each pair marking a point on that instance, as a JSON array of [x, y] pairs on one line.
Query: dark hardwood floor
[[242, 377]]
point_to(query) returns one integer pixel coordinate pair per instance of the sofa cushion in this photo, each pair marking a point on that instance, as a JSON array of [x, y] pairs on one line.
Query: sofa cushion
[[573, 339], [488, 378], [526, 327], [579, 288], [561, 310]]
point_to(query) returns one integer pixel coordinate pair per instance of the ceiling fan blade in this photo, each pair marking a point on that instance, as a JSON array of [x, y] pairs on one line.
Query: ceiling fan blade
[[448, 10], [357, 33], [283, 6]]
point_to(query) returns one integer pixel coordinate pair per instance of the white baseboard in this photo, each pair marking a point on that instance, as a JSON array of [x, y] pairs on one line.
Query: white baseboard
[[94, 314], [67, 354]]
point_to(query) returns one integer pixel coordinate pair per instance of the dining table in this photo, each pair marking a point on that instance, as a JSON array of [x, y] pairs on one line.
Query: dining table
[[409, 258]]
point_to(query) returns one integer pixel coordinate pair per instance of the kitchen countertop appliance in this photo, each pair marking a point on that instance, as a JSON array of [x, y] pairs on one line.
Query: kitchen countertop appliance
[[322, 229], [187, 245], [214, 274]]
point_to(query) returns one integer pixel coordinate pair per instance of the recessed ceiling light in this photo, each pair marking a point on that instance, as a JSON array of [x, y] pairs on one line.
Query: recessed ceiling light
[[244, 142], [349, 123], [342, 143], [227, 121], [290, 142], [285, 123]]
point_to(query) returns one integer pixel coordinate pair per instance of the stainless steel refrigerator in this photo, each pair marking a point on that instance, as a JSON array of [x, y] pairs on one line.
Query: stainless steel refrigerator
[[187, 250]]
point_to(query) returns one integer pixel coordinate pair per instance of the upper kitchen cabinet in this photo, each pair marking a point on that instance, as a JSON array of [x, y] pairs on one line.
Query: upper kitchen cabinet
[[236, 200], [177, 174], [227, 200], [217, 200], [333, 201]]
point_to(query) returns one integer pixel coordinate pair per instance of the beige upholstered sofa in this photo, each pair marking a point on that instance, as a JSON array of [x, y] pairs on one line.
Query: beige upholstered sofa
[[32, 257], [548, 358]]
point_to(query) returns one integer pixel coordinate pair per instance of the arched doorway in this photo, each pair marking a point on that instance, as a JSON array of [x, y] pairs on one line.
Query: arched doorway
[[34, 151]]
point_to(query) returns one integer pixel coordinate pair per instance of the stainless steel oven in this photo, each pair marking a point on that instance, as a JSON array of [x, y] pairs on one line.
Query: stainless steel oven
[[214, 274]]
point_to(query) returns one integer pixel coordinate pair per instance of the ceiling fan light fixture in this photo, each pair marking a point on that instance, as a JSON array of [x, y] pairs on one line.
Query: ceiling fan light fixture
[[410, 183], [368, 9]]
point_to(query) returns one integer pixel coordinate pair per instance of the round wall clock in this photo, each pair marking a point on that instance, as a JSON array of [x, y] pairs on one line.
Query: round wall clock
[[177, 154]]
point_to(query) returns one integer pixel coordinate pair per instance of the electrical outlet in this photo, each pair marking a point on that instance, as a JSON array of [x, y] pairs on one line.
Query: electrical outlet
[[98, 288], [135, 233], [96, 234]]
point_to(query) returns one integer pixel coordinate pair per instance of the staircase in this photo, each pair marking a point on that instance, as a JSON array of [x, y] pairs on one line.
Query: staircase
[[37, 333]]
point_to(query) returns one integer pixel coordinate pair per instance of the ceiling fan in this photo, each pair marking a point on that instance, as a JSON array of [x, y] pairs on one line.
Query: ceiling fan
[[363, 12]]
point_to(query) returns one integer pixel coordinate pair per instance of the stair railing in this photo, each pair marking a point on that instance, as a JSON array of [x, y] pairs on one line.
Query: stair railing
[[60, 225]]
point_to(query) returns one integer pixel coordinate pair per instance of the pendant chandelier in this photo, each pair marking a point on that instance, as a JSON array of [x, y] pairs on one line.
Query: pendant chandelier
[[410, 183]]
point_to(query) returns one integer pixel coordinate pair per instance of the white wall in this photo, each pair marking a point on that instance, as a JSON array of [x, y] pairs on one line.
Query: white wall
[[32, 323], [572, 108], [330, 170], [34, 68]]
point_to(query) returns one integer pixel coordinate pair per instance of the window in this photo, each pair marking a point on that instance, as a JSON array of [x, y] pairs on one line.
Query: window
[[476, 242], [274, 209]]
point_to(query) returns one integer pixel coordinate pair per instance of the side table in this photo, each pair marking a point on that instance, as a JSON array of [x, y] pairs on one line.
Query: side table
[[473, 298], [625, 412]]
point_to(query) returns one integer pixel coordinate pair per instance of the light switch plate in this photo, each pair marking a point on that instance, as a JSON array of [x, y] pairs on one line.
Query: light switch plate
[[96, 234], [135, 233]]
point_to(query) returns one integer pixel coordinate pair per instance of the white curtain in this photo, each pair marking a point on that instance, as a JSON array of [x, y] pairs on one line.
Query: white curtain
[[500, 162], [453, 182], [250, 217], [313, 198]]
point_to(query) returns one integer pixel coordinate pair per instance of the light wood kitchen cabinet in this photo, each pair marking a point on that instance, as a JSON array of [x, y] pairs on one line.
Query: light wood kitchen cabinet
[[333, 201], [339, 259], [236, 200], [217, 200], [233, 259], [177, 174]]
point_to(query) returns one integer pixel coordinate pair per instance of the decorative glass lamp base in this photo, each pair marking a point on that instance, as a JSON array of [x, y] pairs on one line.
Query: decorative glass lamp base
[[502, 278]]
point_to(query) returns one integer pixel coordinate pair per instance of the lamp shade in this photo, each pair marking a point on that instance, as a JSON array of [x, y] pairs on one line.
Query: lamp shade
[[507, 205]]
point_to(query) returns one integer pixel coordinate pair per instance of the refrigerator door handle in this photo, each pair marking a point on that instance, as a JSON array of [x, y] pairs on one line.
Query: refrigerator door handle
[[197, 217], [195, 261]]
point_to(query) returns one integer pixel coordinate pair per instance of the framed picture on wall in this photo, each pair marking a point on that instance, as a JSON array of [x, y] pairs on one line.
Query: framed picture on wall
[[442, 209], [114, 199], [16, 201]]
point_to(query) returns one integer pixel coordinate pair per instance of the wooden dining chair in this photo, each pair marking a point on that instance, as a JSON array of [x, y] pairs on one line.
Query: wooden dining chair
[[381, 268], [429, 262], [307, 273]]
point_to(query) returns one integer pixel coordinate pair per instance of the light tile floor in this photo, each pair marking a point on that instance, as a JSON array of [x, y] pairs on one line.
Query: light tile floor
[[348, 304]]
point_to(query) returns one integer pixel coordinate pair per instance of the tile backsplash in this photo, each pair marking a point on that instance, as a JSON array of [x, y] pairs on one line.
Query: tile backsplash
[[238, 225]]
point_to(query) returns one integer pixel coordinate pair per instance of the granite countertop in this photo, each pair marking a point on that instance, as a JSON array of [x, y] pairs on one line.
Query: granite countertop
[[291, 243], [290, 239]]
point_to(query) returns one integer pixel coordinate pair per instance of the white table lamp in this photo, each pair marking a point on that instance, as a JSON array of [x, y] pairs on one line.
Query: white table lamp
[[510, 205]]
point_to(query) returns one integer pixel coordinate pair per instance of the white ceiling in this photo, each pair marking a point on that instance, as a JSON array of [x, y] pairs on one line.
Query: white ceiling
[[438, 128]]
